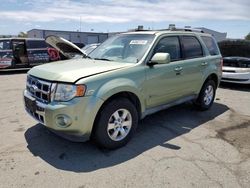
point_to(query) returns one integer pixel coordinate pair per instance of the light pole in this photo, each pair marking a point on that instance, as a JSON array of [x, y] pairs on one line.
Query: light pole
[[80, 23]]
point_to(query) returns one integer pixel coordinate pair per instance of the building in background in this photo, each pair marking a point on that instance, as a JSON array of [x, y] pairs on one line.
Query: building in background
[[79, 38], [83, 38], [217, 35]]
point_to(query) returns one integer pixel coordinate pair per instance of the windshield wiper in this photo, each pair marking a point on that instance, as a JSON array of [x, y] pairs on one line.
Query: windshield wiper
[[103, 59], [86, 56]]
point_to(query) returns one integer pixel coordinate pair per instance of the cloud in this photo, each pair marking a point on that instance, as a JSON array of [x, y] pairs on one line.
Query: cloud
[[118, 11]]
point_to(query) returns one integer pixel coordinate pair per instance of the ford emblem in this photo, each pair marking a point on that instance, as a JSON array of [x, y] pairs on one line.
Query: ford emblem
[[33, 88]]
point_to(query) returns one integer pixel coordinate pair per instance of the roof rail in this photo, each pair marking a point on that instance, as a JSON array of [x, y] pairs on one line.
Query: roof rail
[[183, 29], [171, 28]]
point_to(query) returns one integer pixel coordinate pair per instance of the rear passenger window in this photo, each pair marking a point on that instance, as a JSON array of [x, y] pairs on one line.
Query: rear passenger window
[[191, 47], [211, 45], [169, 45], [36, 44]]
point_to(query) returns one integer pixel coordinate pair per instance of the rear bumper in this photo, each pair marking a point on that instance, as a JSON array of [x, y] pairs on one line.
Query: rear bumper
[[81, 112]]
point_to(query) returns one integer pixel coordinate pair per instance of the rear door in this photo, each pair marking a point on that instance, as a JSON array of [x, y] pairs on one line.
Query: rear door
[[37, 52], [215, 59], [193, 64]]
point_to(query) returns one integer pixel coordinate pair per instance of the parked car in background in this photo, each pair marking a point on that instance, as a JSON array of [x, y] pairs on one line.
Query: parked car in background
[[67, 49], [236, 61], [236, 70], [129, 76], [25, 52]]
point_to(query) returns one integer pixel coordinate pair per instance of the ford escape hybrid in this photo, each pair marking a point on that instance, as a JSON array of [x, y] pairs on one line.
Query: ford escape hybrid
[[103, 95]]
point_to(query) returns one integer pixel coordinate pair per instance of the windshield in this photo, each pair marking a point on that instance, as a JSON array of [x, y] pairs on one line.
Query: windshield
[[127, 48]]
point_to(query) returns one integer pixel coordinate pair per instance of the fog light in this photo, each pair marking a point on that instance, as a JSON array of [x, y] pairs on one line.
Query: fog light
[[63, 120]]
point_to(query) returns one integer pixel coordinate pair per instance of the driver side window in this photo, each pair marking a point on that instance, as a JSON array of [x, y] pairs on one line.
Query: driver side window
[[169, 45]]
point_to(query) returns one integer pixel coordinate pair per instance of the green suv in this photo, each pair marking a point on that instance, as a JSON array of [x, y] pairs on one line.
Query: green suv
[[102, 96]]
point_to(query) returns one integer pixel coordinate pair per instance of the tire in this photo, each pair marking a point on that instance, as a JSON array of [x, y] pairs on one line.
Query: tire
[[206, 96], [115, 124]]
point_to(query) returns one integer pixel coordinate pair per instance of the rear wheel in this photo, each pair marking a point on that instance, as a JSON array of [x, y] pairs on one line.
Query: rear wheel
[[116, 123], [206, 96]]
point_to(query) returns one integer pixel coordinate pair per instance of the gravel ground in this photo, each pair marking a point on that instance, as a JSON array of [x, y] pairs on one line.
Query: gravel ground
[[177, 147]]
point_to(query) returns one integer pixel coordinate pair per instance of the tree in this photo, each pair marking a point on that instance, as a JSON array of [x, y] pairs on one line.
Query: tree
[[22, 35], [247, 37]]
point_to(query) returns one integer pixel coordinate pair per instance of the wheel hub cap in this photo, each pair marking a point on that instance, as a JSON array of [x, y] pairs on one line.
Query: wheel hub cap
[[119, 124], [209, 94]]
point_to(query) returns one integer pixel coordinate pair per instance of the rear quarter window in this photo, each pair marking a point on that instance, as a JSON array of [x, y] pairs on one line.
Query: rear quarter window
[[211, 45], [191, 47]]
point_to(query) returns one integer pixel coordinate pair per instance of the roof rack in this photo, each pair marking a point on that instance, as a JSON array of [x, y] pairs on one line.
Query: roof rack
[[189, 30], [176, 29], [172, 28], [183, 29]]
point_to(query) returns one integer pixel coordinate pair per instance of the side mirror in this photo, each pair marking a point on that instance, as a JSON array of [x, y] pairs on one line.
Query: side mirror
[[160, 58]]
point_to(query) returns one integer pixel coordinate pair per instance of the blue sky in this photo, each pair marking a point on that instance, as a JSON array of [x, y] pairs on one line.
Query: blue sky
[[231, 16]]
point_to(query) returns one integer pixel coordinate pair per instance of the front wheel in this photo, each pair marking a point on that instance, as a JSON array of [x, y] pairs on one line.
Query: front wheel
[[206, 97], [116, 123]]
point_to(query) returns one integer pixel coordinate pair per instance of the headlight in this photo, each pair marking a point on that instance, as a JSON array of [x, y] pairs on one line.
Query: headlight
[[66, 92]]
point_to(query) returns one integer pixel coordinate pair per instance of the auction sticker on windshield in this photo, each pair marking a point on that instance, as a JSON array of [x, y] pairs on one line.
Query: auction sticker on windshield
[[139, 42]]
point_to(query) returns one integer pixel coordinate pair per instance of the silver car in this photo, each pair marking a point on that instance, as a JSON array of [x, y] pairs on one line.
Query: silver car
[[236, 70]]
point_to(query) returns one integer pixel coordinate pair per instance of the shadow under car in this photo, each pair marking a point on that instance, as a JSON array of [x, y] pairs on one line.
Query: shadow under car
[[154, 130]]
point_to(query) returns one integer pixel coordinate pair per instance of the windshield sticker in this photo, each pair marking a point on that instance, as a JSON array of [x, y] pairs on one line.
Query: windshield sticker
[[139, 42]]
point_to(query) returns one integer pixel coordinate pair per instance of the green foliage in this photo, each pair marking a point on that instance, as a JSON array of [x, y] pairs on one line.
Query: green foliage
[[247, 37], [235, 48], [22, 35], [5, 36]]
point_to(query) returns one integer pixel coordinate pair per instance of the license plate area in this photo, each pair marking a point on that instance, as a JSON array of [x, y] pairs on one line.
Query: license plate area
[[30, 104]]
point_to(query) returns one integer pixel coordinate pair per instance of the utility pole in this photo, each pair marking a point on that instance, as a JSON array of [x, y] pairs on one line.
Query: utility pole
[[80, 24]]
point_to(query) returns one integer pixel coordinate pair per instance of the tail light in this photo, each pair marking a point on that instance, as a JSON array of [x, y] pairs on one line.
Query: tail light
[[221, 64]]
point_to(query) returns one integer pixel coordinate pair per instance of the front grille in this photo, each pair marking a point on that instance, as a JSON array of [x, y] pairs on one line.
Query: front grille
[[38, 88]]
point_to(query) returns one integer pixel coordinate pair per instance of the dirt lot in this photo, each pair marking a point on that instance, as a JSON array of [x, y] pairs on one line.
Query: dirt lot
[[178, 147]]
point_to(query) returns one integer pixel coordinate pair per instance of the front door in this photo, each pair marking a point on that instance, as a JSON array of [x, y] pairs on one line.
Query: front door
[[163, 80], [162, 84]]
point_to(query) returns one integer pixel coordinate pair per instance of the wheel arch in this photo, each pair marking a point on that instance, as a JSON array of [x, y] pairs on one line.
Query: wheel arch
[[132, 97], [213, 77], [122, 87]]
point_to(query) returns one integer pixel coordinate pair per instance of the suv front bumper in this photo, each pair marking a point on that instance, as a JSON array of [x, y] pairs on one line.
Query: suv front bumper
[[81, 112]]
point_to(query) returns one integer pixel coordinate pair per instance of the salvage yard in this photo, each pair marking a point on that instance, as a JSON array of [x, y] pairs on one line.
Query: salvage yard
[[177, 147]]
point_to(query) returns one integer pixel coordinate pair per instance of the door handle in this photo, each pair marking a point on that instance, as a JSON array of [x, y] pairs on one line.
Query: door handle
[[204, 63], [178, 69]]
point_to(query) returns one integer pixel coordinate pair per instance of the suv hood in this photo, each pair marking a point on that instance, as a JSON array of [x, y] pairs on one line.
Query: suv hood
[[234, 61], [72, 70], [65, 47]]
